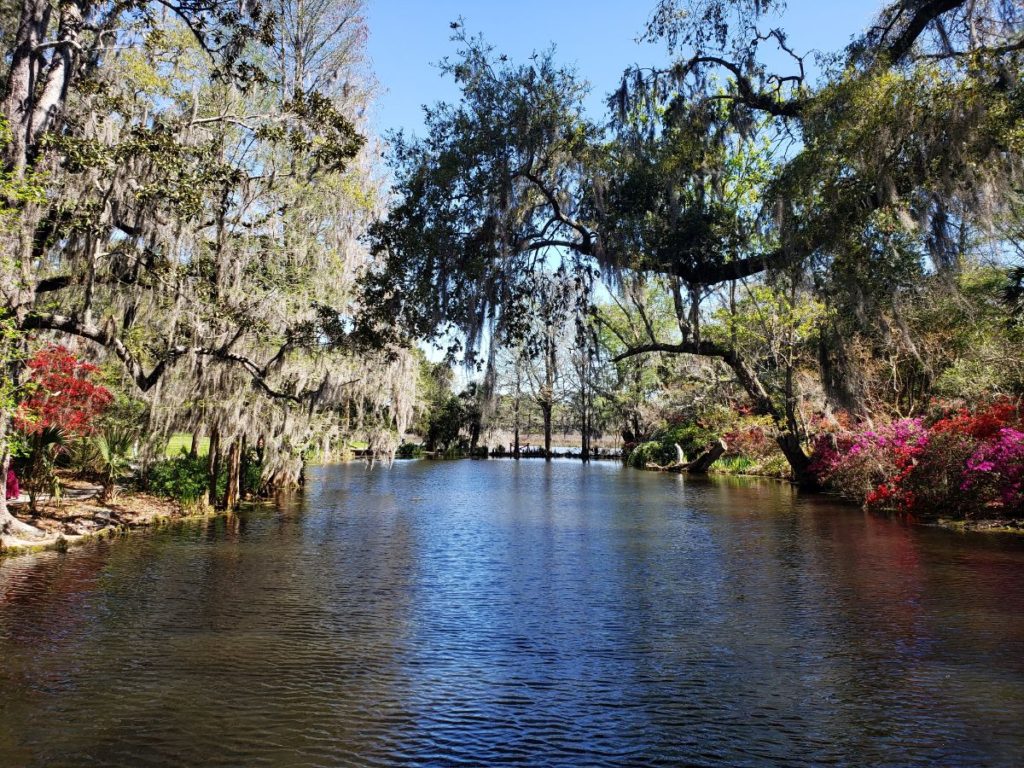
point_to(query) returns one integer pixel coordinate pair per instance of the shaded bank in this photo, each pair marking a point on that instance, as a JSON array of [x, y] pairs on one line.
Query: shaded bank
[[82, 518]]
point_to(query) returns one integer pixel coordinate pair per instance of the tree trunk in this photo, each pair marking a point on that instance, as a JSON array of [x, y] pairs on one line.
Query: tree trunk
[[799, 461], [702, 463], [546, 408], [584, 437], [586, 407], [788, 440], [231, 494], [242, 488], [516, 451], [213, 467], [9, 524], [193, 451], [23, 76], [11, 369]]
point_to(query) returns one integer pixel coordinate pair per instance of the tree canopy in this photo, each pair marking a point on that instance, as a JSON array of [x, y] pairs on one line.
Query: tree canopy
[[714, 169]]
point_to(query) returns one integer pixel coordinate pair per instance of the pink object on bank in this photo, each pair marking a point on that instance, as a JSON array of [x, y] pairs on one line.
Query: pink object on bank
[[13, 491]]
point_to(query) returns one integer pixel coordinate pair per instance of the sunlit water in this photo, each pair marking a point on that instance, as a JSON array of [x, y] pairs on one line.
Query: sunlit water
[[486, 613]]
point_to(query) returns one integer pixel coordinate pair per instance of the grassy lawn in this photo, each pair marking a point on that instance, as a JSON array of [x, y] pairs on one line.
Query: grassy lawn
[[183, 441]]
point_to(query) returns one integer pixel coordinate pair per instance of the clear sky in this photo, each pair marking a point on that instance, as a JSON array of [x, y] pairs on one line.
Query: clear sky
[[407, 37]]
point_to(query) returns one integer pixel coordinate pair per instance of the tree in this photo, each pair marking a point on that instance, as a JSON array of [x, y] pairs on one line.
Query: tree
[[61, 394], [700, 182], [62, 404], [203, 173]]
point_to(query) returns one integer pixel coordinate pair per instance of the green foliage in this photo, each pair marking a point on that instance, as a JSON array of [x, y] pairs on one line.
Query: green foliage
[[661, 449], [326, 135], [252, 475], [735, 465], [434, 387], [43, 448], [774, 466], [692, 438], [445, 423], [469, 189], [767, 322], [16, 190], [183, 479], [12, 355], [113, 448], [647, 453], [409, 451]]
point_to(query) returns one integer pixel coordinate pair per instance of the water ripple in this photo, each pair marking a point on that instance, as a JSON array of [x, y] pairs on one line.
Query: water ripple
[[498, 614]]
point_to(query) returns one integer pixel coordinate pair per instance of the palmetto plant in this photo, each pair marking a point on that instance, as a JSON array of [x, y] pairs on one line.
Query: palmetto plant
[[44, 446], [112, 453]]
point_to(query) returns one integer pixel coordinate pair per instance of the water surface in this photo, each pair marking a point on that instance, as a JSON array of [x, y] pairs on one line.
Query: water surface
[[490, 613]]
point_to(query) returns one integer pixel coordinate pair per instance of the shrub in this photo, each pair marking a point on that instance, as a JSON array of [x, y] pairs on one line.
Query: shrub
[[867, 466], [995, 471], [774, 465], [647, 453], [751, 439], [61, 395], [182, 478], [963, 464], [661, 448], [62, 404], [409, 451], [735, 465], [252, 473], [43, 448], [111, 456]]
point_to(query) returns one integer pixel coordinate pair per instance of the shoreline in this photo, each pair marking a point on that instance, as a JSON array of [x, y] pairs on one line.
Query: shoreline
[[84, 520], [996, 525], [139, 512]]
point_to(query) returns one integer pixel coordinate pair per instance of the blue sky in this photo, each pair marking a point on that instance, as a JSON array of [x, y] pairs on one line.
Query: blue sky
[[407, 37]]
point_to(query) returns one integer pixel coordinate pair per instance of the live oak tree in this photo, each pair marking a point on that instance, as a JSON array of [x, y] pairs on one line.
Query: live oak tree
[[912, 132], [186, 183]]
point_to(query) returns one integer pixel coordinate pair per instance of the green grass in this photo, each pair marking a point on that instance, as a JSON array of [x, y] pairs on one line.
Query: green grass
[[733, 465], [183, 441]]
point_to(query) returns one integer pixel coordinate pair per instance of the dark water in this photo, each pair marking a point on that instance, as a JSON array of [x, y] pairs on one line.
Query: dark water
[[476, 613]]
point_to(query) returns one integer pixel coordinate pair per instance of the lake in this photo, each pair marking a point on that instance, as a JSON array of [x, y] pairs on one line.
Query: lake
[[490, 613]]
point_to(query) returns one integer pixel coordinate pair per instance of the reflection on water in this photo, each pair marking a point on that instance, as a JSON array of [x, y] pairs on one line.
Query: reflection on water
[[491, 612]]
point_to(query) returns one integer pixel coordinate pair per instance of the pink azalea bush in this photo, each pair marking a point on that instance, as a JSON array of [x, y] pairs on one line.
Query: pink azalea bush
[[996, 471], [957, 463]]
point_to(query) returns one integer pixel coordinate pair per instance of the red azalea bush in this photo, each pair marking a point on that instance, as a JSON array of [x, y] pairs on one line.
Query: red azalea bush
[[869, 466], [960, 463], [62, 394], [751, 441]]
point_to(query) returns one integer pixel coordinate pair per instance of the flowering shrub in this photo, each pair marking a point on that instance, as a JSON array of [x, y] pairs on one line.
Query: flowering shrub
[[62, 395], [870, 466], [962, 463], [995, 471], [981, 424], [750, 440]]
